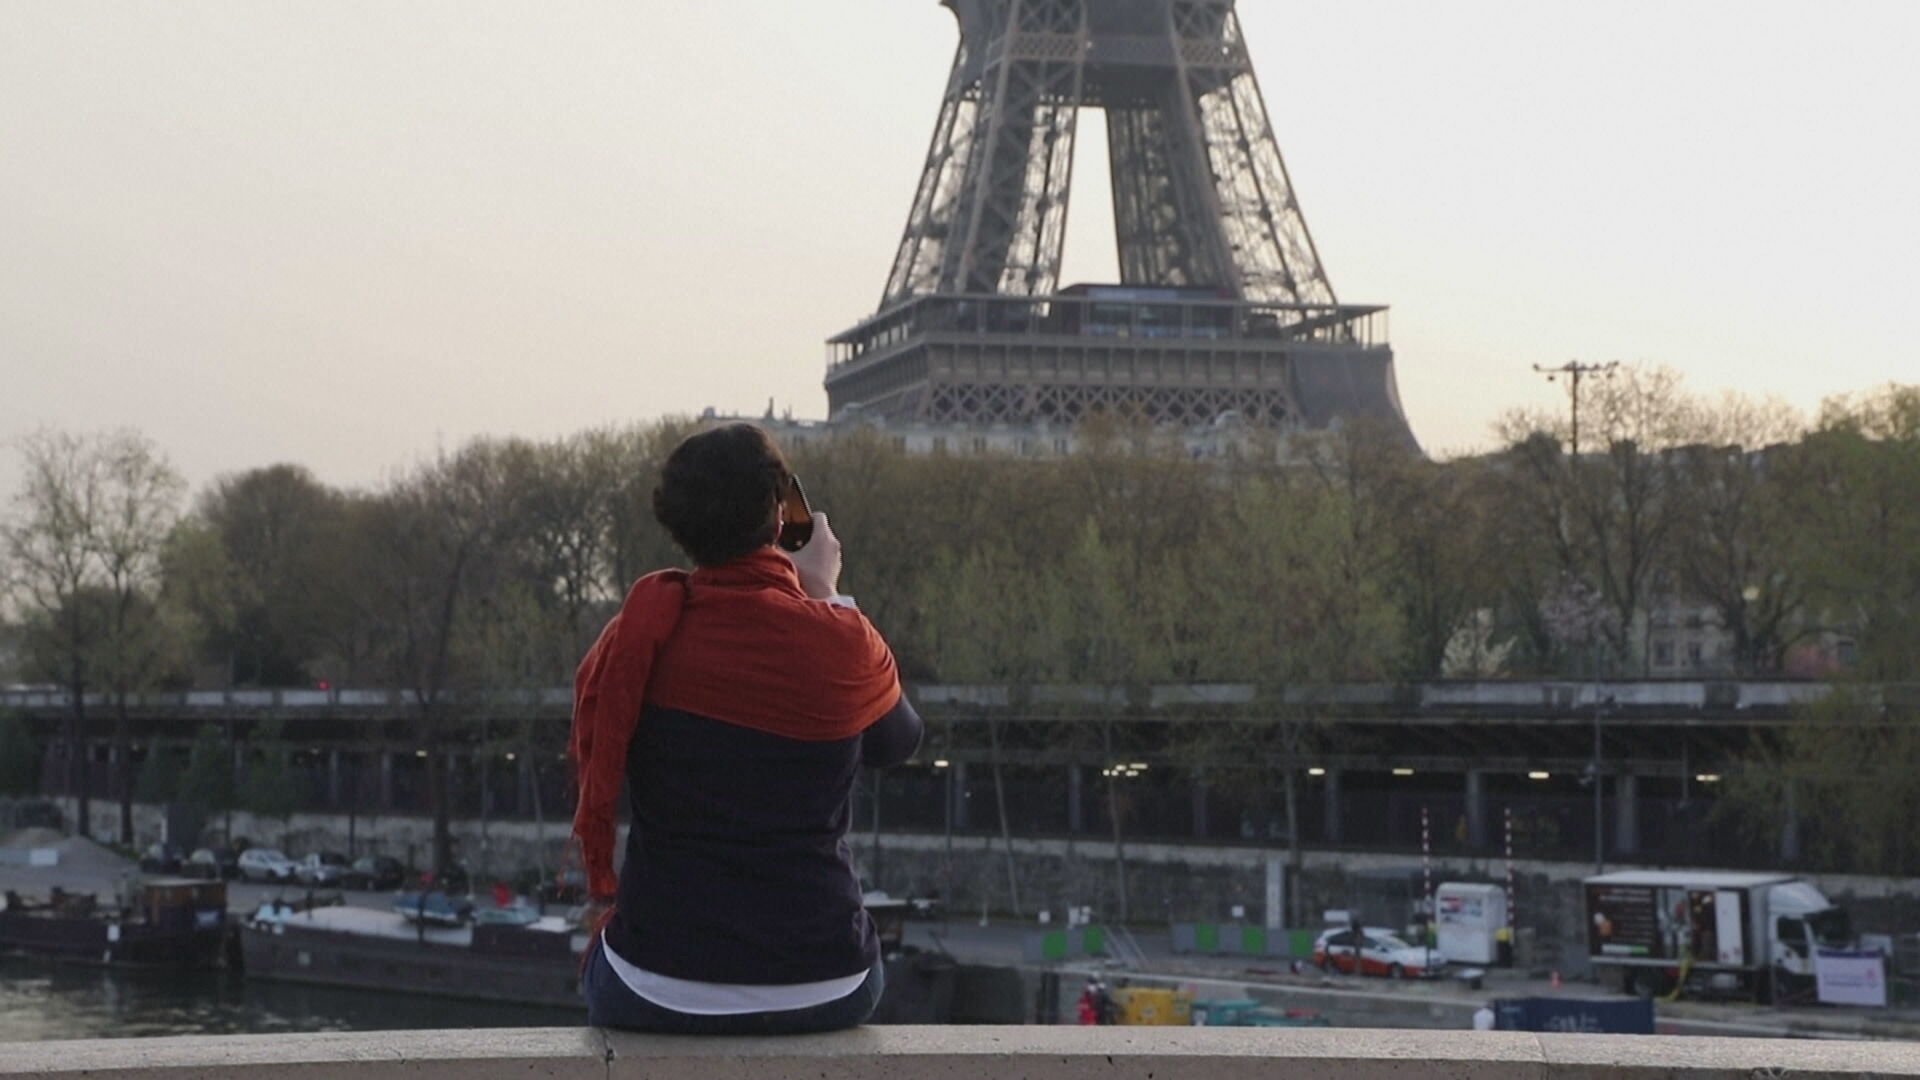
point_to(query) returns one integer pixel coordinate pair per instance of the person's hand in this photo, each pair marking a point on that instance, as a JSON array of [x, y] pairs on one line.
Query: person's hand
[[594, 913], [818, 564]]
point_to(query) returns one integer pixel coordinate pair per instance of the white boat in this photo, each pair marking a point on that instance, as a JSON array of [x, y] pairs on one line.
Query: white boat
[[518, 913], [433, 908]]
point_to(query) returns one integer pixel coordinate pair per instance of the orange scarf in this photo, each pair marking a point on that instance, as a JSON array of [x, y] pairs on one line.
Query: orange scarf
[[740, 643]]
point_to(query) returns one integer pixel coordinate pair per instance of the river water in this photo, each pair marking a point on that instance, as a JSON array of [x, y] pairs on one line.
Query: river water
[[41, 1001]]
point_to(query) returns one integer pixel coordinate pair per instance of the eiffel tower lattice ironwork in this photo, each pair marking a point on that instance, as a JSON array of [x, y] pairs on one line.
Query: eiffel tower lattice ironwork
[[1223, 306]]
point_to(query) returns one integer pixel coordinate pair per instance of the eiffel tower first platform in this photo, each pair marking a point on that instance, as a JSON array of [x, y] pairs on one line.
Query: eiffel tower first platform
[[1223, 306]]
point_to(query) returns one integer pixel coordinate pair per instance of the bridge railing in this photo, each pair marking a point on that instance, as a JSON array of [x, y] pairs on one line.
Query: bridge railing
[[1555, 696]]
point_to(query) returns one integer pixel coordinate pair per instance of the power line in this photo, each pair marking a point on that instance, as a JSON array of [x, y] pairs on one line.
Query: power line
[[1574, 370]]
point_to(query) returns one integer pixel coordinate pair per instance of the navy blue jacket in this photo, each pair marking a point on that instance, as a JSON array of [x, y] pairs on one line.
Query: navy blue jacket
[[737, 867]]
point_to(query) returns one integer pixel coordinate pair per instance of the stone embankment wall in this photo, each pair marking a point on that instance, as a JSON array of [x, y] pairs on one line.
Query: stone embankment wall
[[1177, 882], [1165, 882]]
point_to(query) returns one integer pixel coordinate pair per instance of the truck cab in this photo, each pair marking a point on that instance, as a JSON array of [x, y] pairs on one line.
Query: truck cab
[[1803, 920]]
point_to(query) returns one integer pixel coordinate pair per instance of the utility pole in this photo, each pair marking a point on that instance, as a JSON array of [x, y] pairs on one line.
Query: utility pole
[[1599, 780], [1574, 370]]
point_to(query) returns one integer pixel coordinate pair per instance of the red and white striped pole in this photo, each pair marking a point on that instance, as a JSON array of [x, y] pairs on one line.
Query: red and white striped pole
[[1509, 873], [1426, 873]]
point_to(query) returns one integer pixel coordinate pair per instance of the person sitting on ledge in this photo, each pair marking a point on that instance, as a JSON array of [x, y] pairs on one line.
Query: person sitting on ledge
[[737, 703]]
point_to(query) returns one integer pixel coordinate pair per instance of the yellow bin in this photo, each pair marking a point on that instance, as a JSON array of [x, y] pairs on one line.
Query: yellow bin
[[1148, 1006]]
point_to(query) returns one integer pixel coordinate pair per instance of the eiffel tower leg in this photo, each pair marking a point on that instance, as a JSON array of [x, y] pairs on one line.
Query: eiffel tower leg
[[1014, 227], [1163, 220], [916, 267], [1253, 193]]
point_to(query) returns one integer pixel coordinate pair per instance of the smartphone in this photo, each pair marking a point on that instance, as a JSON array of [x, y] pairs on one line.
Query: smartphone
[[796, 526]]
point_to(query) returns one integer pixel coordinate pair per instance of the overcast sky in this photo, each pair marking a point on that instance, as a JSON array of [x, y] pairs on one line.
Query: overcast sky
[[343, 233]]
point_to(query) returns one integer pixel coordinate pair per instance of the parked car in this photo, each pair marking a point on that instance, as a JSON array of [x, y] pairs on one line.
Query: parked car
[[211, 864], [162, 859], [321, 868], [378, 872], [267, 864], [1380, 952]]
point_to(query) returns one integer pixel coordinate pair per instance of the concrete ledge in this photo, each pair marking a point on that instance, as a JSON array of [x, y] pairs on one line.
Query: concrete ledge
[[345, 1055], [1040, 1053]]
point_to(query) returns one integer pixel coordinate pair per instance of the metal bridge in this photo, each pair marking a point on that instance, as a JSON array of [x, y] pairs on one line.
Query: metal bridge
[[1368, 759]]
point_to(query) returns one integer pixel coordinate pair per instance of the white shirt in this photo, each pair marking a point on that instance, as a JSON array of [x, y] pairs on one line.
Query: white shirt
[[726, 999], [1483, 1019]]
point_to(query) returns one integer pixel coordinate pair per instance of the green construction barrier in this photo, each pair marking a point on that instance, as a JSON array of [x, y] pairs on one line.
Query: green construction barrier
[[1253, 940], [1093, 940], [1206, 938], [1053, 945]]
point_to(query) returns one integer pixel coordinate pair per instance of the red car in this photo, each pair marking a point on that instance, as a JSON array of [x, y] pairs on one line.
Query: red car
[[1381, 952]]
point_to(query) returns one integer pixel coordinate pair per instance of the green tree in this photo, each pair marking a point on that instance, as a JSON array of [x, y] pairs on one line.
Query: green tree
[[1857, 526], [1844, 774], [274, 526], [268, 790], [894, 515], [206, 787], [1292, 608], [1439, 571], [1121, 638], [158, 781], [200, 583], [19, 757], [992, 619]]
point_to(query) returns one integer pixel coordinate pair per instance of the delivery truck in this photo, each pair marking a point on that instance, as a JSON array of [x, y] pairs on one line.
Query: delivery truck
[[1710, 934]]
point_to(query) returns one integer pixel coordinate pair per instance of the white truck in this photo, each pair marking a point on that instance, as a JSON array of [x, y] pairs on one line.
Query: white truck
[[1710, 934]]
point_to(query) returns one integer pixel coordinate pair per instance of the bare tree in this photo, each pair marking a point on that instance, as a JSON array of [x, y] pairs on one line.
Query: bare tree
[[1733, 532], [434, 537], [637, 544], [560, 542], [51, 540], [140, 495], [1609, 515]]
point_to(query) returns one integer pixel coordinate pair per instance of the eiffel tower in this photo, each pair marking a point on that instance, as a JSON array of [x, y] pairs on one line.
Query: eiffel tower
[[1223, 305]]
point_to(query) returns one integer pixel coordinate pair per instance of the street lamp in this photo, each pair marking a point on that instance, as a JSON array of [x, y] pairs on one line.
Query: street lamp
[[946, 877]]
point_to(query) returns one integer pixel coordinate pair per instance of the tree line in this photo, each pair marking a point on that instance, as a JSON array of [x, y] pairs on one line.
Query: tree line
[[1338, 556]]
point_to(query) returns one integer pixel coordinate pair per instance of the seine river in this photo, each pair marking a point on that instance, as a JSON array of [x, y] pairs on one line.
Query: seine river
[[51, 1001]]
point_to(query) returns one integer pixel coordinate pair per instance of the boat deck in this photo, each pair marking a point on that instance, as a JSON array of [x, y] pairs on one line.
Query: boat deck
[[375, 922]]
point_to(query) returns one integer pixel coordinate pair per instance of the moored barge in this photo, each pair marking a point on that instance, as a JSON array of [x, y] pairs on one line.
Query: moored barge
[[159, 923], [534, 964]]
